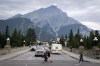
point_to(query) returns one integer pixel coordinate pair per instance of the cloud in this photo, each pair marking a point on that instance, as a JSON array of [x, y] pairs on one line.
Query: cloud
[[82, 10], [95, 26]]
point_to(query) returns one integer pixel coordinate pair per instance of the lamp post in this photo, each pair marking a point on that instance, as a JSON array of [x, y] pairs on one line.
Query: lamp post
[[30, 43], [24, 43], [96, 49], [58, 39], [81, 41], [95, 41], [81, 47], [8, 41], [8, 47], [65, 43]]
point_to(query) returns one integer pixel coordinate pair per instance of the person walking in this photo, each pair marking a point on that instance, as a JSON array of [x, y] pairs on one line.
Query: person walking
[[49, 56], [81, 57]]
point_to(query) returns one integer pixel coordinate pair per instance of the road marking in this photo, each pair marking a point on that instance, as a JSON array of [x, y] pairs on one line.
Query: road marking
[[26, 64], [78, 64]]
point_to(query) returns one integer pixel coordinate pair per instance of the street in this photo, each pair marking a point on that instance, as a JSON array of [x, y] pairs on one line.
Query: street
[[28, 59]]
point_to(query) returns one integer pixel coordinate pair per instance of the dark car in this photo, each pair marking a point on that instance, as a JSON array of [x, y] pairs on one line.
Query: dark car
[[33, 48]]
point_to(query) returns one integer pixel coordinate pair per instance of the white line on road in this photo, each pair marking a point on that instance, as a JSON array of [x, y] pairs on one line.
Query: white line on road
[[78, 64], [26, 64]]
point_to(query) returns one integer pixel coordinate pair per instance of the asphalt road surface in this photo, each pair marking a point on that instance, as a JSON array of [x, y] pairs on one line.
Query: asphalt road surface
[[28, 59]]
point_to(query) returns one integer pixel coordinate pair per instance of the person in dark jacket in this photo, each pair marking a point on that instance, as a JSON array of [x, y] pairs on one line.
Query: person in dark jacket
[[81, 57], [49, 56], [45, 56]]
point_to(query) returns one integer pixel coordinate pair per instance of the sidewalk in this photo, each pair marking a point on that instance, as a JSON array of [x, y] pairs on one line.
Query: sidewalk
[[76, 56], [14, 54]]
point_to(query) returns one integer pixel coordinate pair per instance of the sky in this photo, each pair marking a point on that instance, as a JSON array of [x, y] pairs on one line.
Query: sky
[[85, 11]]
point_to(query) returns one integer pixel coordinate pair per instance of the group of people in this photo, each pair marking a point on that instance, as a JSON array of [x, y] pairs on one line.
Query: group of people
[[47, 56]]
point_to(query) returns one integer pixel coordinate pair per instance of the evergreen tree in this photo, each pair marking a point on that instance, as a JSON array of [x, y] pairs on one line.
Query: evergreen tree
[[19, 39], [62, 41], [97, 35], [14, 39], [85, 42], [66, 37], [91, 41], [77, 38], [70, 43], [30, 36], [2, 40], [7, 32]]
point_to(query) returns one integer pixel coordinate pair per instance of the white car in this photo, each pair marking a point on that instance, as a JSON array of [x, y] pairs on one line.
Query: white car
[[56, 48], [39, 52], [33, 48]]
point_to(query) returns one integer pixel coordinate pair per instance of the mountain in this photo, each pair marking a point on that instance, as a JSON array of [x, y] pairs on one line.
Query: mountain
[[23, 24], [50, 22], [55, 21], [51, 15], [20, 23]]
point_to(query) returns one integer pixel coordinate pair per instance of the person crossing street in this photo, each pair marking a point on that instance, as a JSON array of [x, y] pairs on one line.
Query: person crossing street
[[81, 57]]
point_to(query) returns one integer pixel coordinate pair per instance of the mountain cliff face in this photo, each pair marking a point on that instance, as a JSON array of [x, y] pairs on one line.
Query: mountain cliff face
[[55, 21], [51, 22]]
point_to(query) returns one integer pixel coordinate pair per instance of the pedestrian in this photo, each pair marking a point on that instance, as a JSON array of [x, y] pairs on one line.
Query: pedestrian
[[81, 57], [45, 56], [49, 56]]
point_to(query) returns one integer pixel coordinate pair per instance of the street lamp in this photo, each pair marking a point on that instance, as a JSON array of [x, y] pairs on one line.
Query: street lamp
[[53, 42], [81, 41], [81, 47], [8, 41], [30, 43], [8, 45], [96, 48], [58, 39], [95, 41], [24, 42], [65, 43]]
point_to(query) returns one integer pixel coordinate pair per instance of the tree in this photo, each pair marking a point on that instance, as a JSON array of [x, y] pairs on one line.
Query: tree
[[77, 38], [14, 39], [91, 37], [62, 41], [30, 35], [2, 40], [97, 35], [66, 37], [70, 43], [7, 32]]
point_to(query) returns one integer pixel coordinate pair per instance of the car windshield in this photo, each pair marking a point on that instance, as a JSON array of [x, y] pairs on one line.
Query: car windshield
[[40, 48]]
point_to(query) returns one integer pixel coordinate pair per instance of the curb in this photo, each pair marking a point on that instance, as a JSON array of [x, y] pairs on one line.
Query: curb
[[75, 58], [12, 55], [86, 59]]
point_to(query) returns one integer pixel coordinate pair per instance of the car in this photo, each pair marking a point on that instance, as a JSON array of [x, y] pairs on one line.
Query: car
[[46, 48], [33, 48], [56, 48], [39, 52]]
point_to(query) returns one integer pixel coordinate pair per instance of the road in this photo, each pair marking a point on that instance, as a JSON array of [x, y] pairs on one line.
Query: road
[[28, 59]]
